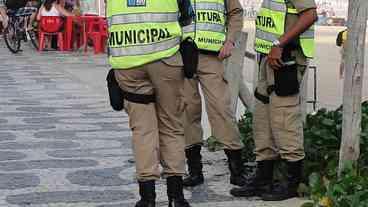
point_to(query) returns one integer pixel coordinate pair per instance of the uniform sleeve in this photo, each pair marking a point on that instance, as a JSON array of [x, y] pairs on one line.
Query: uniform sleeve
[[234, 19], [302, 5]]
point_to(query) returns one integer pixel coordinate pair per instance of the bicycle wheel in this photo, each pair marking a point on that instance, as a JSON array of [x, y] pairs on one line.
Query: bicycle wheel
[[33, 36], [11, 39]]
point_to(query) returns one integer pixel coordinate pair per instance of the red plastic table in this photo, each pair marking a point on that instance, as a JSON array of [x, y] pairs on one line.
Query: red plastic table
[[70, 20]]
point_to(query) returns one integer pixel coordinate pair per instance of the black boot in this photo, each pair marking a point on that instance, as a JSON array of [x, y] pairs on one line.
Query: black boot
[[294, 178], [194, 161], [147, 193], [236, 167], [175, 192], [261, 183]]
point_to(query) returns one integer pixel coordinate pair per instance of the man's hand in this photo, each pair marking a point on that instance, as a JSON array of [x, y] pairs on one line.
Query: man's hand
[[226, 50], [274, 58]]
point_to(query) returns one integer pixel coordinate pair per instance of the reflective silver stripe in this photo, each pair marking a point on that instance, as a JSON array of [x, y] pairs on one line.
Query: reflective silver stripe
[[144, 49], [309, 34], [275, 6], [266, 35], [209, 6], [204, 27], [189, 28], [143, 17]]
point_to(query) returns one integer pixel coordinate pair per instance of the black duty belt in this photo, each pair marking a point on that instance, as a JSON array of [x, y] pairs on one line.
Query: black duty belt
[[262, 98], [139, 98]]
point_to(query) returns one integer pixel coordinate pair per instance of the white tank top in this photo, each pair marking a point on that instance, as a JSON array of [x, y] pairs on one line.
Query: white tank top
[[52, 13]]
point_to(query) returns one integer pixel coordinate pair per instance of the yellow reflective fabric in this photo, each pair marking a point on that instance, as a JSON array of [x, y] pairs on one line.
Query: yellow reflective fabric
[[270, 25], [208, 29], [308, 47], [271, 21], [292, 11], [142, 31]]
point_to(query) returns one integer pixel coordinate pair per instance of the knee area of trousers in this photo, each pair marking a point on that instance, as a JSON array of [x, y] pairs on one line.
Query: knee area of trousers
[[142, 177], [293, 157]]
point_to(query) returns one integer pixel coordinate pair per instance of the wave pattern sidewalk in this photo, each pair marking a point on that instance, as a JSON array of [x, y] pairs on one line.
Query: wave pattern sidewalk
[[62, 146]]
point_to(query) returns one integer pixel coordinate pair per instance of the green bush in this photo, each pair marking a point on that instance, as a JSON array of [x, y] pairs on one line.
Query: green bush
[[322, 137], [322, 134], [350, 190], [246, 132]]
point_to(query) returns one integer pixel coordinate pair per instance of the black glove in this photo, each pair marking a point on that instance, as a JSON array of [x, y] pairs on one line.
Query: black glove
[[115, 93], [189, 53]]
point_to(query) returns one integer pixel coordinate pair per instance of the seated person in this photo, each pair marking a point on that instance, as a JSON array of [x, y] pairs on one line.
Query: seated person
[[71, 5], [52, 8]]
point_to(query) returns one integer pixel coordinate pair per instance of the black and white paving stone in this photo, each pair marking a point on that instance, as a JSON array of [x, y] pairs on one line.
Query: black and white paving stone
[[61, 145]]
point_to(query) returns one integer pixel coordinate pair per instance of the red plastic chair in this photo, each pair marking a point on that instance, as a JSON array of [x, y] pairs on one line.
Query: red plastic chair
[[96, 30], [49, 26]]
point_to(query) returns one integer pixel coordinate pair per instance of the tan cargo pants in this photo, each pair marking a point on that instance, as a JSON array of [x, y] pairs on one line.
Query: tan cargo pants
[[216, 93], [158, 133], [277, 126]]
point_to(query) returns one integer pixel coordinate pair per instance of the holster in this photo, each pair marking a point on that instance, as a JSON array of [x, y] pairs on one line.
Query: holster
[[286, 78], [190, 54], [116, 95], [186, 12]]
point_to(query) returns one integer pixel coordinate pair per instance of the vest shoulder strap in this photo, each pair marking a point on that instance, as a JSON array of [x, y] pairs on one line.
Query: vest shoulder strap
[[291, 10]]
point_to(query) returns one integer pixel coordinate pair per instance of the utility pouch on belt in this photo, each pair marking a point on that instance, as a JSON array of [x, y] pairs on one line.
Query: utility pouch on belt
[[286, 78], [115, 93], [189, 53]]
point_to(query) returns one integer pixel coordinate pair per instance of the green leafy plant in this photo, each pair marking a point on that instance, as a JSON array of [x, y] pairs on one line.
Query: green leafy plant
[[246, 132], [350, 190], [322, 137], [213, 144]]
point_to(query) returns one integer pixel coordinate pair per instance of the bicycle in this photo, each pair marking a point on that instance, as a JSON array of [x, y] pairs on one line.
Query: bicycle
[[16, 32]]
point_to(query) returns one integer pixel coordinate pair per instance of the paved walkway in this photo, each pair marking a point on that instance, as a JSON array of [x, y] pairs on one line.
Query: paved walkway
[[62, 146]]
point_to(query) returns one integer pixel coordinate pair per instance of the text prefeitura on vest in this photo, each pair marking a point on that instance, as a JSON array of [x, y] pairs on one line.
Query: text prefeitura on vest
[[265, 22]]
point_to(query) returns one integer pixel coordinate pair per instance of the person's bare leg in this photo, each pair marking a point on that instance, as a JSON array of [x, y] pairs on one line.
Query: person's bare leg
[[4, 17], [48, 40], [31, 20]]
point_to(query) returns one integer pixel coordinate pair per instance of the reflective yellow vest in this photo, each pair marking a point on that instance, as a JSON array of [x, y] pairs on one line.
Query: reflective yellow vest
[[270, 25], [208, 29], [142, 31]]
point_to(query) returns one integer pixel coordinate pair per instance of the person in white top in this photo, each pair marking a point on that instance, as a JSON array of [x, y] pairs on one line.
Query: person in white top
[[52, 8]]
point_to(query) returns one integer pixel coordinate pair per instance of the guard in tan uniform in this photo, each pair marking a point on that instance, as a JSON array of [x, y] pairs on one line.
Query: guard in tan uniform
[[285, 41], [213, 32], [144, 39]]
